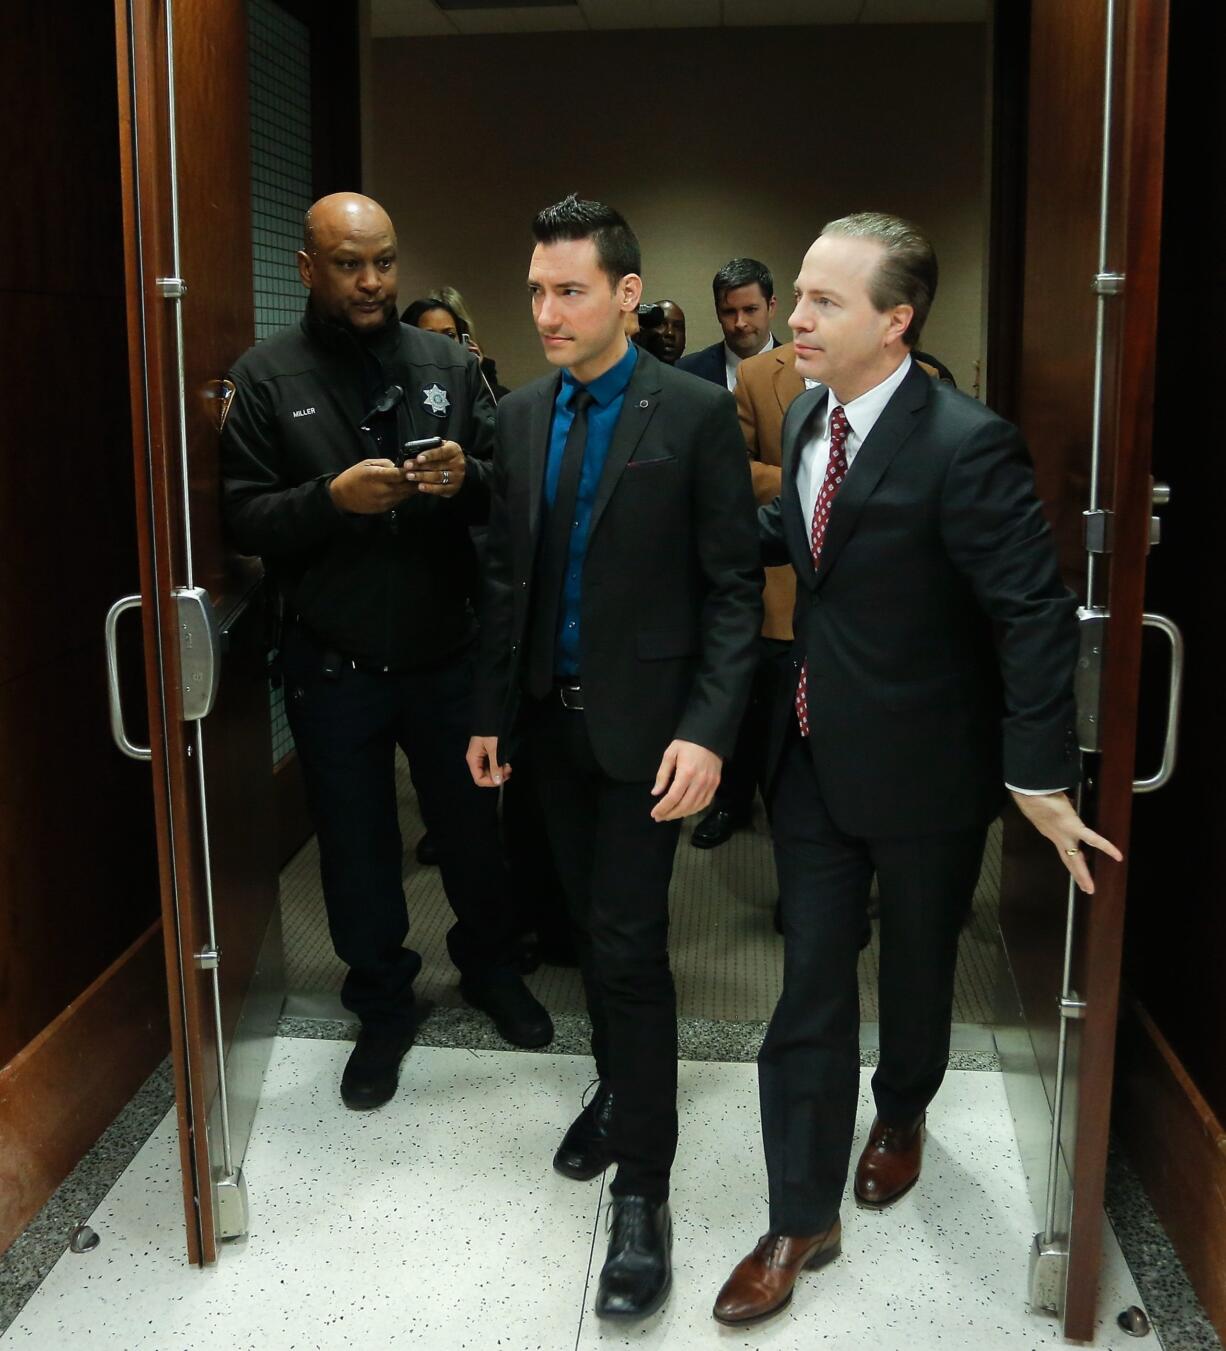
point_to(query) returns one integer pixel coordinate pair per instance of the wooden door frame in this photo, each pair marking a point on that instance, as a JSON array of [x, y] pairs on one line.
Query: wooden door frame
[[1138, 157], [145, 163]]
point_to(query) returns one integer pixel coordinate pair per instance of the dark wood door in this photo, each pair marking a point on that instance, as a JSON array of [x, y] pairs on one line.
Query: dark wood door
[[187, 216], [1084, 397]]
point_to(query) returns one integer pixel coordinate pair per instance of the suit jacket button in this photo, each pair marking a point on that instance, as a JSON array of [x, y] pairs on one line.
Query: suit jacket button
[[514, 647]]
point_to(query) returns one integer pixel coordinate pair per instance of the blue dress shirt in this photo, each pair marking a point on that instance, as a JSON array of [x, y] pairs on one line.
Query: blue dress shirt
[[608, 392]]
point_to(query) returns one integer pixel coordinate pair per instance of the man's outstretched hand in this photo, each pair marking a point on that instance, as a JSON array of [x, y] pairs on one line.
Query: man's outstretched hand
[[1053, 815]]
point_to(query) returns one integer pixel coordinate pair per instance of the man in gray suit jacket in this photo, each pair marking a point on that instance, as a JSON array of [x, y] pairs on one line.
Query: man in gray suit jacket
[[933, 664], [619, 623]]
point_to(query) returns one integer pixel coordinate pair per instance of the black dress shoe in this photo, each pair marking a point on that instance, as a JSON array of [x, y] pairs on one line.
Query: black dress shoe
[[518, 1015], [426, 852], [716, 828], [373, 1068], [584, 1151], [639, 1268]]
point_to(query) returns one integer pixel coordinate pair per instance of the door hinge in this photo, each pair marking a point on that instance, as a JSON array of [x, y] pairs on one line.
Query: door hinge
[[1087, 679], [231, 1207], [1072, 1006], [1048, 1275], [171, 288], [1161, 496], [208, 959], [1098, 531], [1109, 284]]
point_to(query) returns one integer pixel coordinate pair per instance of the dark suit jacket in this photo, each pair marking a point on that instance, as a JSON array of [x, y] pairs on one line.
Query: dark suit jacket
[[766, 385], [672, 585], [940, 638], [710, 363]]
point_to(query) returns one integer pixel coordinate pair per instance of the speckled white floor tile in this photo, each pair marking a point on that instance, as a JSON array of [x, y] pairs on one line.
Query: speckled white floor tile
[[945, 1268], [435, 1222]]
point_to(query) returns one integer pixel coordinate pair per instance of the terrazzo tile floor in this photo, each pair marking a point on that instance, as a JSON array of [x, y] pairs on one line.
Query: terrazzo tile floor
[[437, 1223]]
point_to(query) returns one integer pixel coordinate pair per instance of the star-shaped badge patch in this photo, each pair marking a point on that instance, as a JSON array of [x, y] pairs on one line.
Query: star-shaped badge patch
[[436, 400]]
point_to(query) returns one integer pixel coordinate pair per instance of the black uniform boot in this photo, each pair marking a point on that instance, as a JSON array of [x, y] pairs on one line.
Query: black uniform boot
[[373, 1068], [518, 1015]]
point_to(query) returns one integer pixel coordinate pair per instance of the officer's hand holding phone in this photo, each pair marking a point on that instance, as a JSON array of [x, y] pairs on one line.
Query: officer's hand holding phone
[[438, 472], [371, 487]]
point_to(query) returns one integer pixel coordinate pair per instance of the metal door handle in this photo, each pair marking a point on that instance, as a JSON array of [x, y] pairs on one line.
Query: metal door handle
[[118, 731], [1167, 767]]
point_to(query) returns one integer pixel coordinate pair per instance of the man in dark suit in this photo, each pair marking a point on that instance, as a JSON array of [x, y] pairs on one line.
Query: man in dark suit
[[621, 610], [765, 387], [935, 645], [744, 292]]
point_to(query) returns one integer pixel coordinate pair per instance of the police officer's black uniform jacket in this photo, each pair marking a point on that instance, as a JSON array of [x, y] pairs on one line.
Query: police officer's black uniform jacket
[[389, 590]]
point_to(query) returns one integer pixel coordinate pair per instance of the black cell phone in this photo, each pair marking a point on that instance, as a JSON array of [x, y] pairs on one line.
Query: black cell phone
[[411, 449]]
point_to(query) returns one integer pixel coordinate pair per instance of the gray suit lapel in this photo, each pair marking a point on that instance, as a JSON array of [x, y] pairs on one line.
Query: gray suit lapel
[[872, 460], [637, 411]]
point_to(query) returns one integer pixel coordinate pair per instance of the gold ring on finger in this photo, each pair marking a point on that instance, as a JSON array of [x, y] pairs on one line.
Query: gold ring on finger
[[1072, 853]]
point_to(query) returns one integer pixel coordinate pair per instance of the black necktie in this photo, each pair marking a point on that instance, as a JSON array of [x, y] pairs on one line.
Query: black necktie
[[555, 552]]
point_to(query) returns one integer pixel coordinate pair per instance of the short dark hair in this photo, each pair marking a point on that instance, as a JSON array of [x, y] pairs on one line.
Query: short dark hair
[[412, 313], [617, 247], [742, 272], [907, 272]]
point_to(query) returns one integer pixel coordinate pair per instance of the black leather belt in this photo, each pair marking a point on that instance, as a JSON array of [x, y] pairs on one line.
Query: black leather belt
[[570, 691]]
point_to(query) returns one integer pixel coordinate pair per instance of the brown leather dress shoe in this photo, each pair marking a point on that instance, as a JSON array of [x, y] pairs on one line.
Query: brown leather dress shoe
[[761, 1283], [890, 1164]]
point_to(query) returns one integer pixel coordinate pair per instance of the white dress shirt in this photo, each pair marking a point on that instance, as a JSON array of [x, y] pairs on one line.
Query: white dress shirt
[[862, 415], [732, 362]]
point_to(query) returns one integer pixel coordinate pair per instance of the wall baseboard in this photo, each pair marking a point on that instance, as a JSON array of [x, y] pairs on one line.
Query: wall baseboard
[[1177, 1145], [61, 1091]]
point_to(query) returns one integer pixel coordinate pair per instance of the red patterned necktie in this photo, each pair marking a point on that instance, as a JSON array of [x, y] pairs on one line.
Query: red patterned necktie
[[836, 472]]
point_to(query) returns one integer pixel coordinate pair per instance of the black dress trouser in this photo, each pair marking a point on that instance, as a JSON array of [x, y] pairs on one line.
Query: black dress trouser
[[809, 1064], [616, 864], [347, 725]]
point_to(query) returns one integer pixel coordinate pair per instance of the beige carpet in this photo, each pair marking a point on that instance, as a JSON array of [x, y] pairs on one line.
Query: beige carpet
[[727, 959]]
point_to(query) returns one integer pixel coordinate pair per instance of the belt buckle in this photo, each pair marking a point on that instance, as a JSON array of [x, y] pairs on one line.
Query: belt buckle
[[571, 696]]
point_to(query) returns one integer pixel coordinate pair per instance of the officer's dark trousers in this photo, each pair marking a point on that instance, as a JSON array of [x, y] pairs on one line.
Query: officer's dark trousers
[[346, 729], [616, 863], [539, 897], [809, 1064]]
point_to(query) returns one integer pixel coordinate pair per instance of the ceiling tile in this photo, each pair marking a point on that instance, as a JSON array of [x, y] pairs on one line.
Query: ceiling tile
[[408, 19], [519, 19], [652, 13], [769, 13]]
